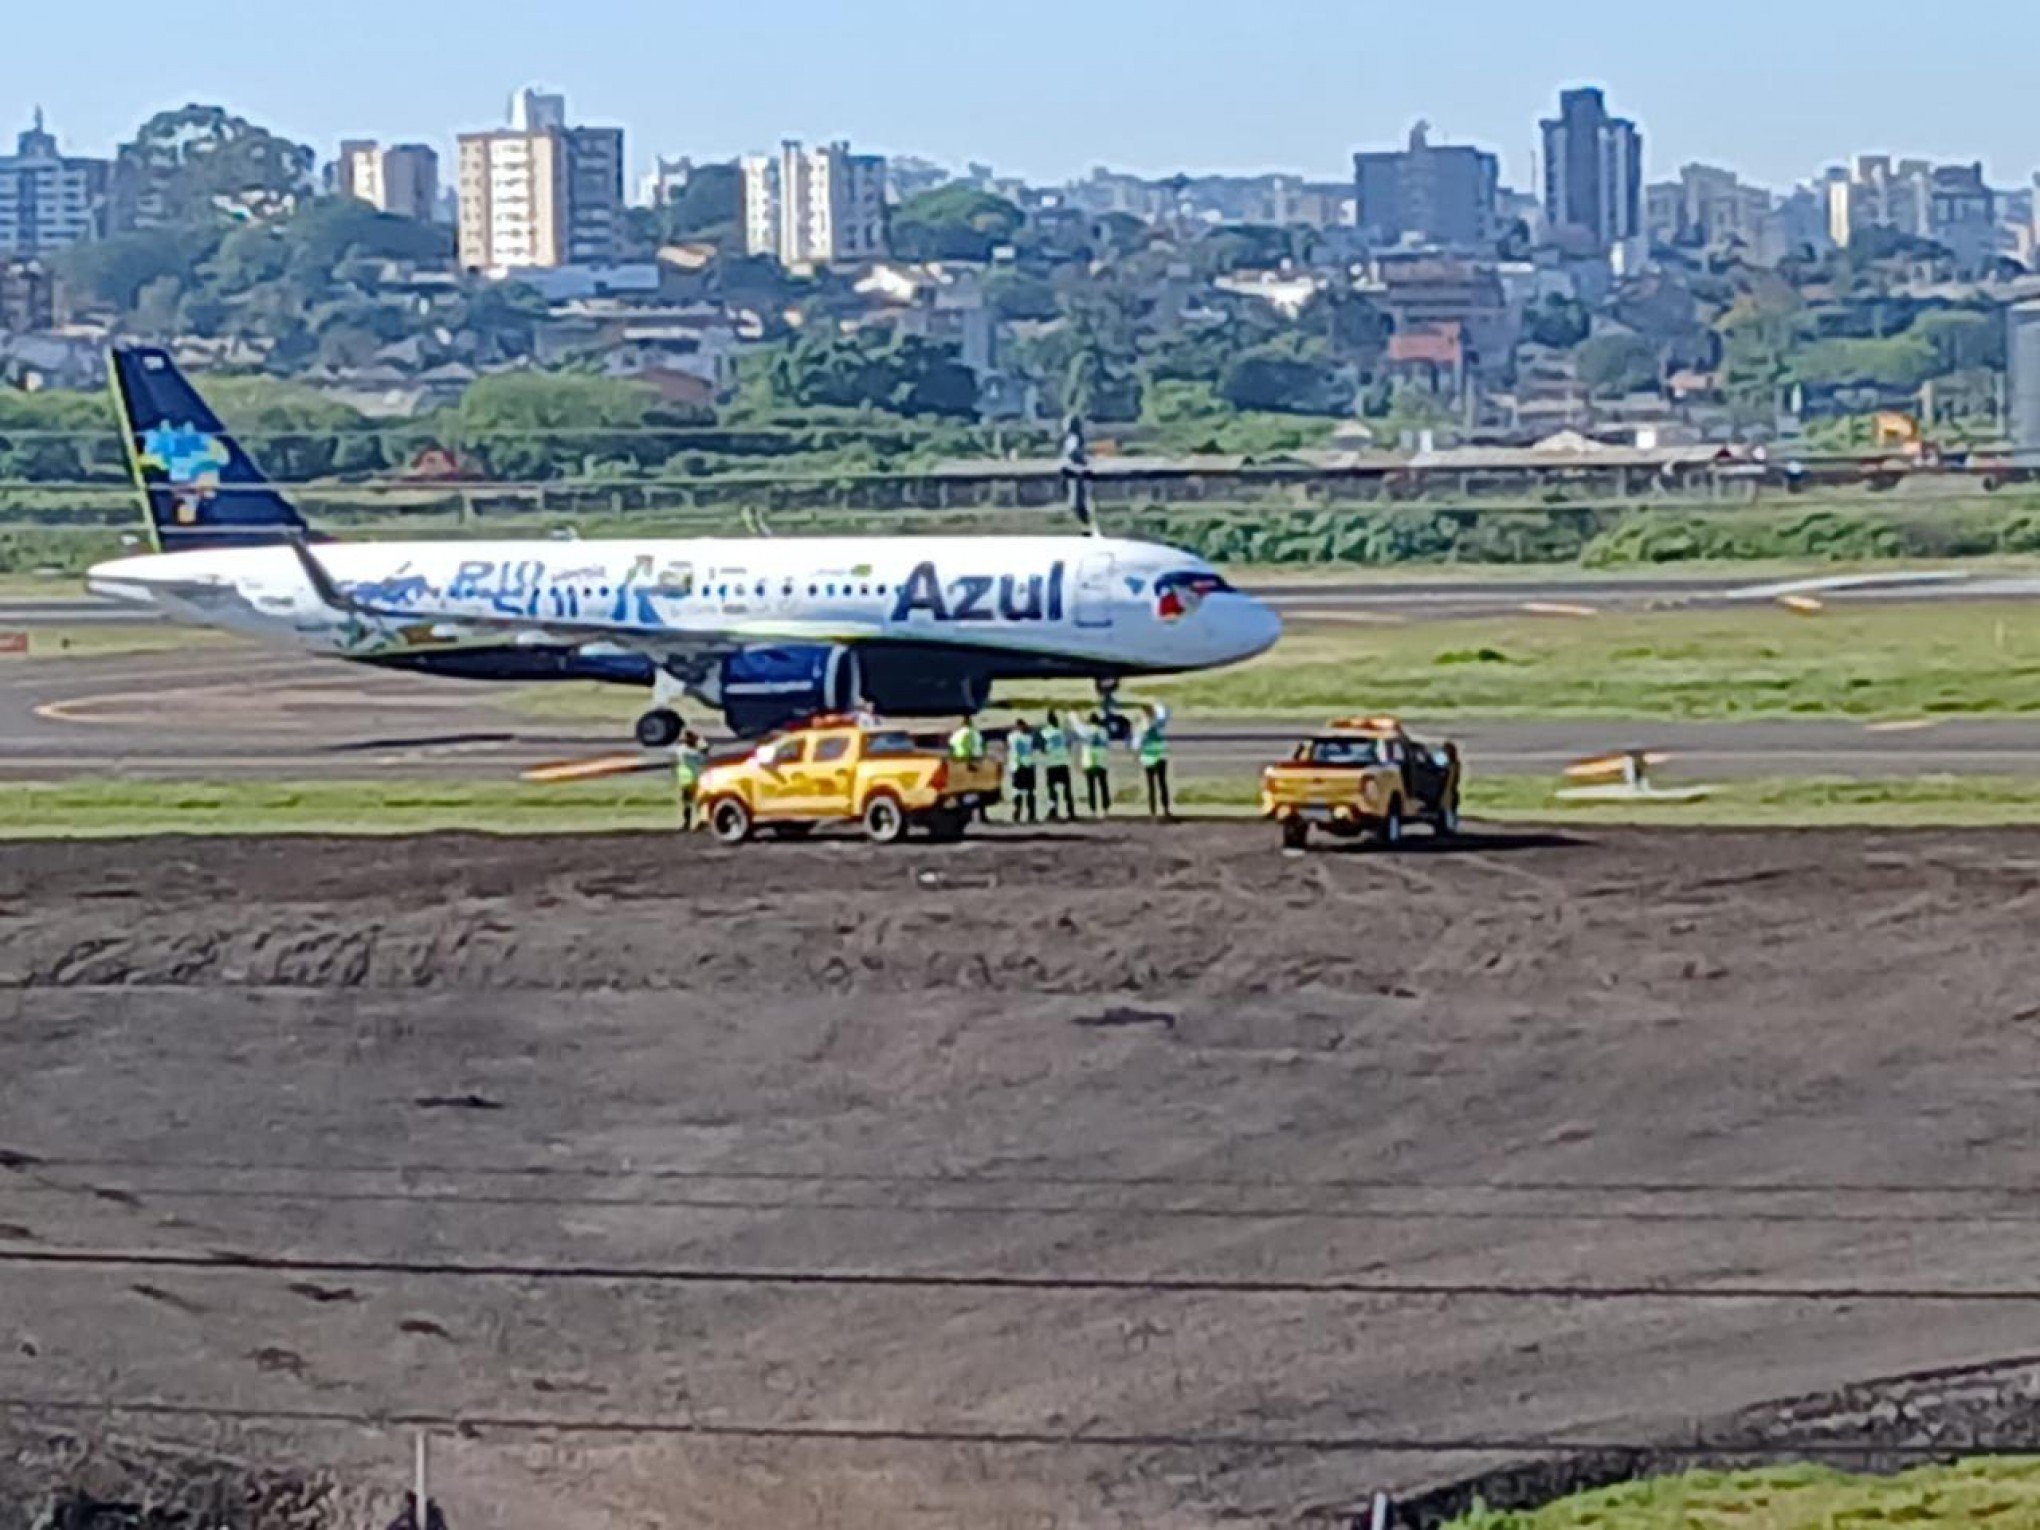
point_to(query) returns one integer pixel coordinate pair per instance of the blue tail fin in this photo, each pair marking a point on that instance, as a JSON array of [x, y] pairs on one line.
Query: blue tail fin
[[202, 489]]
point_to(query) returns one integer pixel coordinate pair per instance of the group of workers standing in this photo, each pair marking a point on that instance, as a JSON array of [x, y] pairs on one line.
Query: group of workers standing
[[1035, 757], [1047, 759]]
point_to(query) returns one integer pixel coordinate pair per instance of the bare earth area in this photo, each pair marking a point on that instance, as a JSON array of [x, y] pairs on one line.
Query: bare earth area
[[1126, 1177]]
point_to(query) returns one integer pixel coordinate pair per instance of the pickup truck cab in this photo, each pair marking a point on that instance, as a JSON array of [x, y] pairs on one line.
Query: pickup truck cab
[[1363, 776], [835, 771]]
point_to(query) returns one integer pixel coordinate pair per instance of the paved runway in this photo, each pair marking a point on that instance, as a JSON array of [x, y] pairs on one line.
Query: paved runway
[[227, 711]]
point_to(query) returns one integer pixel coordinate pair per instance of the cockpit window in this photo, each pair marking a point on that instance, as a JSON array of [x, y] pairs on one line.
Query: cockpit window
[[1196, 582], [1178, 594]]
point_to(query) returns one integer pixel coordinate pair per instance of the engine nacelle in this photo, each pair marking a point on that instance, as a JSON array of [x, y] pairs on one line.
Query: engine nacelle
[[761, 689]]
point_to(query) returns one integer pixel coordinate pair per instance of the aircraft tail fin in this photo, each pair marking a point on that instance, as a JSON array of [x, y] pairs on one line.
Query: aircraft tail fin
[[201, 488]]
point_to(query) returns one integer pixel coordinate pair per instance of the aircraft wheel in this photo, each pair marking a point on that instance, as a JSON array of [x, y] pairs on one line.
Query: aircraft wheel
[[948, 825], [659, 728]]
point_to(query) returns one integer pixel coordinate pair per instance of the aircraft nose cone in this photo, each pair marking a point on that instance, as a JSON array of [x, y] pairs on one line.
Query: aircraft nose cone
[[1259, 628]]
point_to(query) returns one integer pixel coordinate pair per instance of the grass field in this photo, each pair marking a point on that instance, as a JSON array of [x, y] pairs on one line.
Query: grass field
[[1865, 662], [1757, 662], [91, 640], [644, 802], [2002, 1493]]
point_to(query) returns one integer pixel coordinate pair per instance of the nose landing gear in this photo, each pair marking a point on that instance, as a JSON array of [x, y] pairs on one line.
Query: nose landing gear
[[1118, 726]]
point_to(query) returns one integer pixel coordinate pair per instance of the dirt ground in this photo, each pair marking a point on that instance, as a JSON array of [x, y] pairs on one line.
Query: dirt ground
[[1127, 1177]]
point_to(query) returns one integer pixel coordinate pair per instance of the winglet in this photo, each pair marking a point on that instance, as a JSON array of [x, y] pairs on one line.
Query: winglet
[[322, 582]]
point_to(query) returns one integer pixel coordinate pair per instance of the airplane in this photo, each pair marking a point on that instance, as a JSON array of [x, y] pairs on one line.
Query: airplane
[[766, 631]]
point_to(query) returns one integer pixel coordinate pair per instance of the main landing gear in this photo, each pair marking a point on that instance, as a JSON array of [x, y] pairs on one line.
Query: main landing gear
[[662, 725], [659, 728]]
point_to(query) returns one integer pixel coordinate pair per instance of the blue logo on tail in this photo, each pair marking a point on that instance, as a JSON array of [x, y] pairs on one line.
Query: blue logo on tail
[[184, 454]]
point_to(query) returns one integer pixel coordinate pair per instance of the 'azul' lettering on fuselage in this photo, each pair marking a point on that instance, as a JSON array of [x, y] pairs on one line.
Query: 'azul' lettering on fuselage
[[968, 598]]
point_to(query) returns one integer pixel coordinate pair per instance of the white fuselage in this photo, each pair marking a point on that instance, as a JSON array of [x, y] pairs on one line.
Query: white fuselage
[[1095, 603]]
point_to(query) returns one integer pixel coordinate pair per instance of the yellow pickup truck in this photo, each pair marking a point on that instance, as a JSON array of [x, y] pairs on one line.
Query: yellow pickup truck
[[886, 779], [1363, 775]]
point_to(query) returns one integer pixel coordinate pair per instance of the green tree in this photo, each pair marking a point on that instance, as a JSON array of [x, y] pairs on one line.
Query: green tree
[[527, 426], [111, 273], [902, 374], [1286, 377], [1017, 295], [1558, 322], [1241, 247], [1901, 363], [1963, 340], [1097, 388], [1350, 324], [1760, 333], [183, 165], [1614, 365], [954, 222]]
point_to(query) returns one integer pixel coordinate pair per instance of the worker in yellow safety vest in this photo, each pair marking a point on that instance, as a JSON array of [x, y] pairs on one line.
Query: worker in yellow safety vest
[[1021, 753], [1151, 743], [966, 743], [1094, 755], [1055, 769], [690, 759]]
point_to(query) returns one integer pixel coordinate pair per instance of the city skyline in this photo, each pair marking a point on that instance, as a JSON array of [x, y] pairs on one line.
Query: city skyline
[[1774, 96]]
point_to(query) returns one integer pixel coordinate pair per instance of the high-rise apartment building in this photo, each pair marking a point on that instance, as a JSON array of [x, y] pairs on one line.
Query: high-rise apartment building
[[814, 206], [1707, 207], [28, 301], [1438, 193], [1878, 192], [46, 200], [540, 193], [1593, 172], [399, 178]]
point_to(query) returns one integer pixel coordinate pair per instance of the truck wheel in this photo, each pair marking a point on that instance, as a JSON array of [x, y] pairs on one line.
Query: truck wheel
[[1448, 817], [729, 819], [1391, 830], [885, 821], [947, 825], [1295, 834]]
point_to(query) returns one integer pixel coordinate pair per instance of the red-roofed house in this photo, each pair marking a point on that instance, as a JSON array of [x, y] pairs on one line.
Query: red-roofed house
[[1431, 357]]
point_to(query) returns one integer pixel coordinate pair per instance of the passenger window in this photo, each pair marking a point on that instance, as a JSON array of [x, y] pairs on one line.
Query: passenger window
[[830, 749]]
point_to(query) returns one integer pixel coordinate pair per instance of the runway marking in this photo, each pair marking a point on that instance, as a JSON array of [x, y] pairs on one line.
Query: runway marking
[[1557, 608], [1904, 725]]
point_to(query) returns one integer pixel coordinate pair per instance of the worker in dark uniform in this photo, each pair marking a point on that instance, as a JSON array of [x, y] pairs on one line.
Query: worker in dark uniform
[[1094, 755], [690, 759], [1055, 764], [1022, 752], [1152, 745]]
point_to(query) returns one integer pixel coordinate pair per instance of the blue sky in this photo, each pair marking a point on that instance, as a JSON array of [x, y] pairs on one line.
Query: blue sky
[[1776, 88]]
